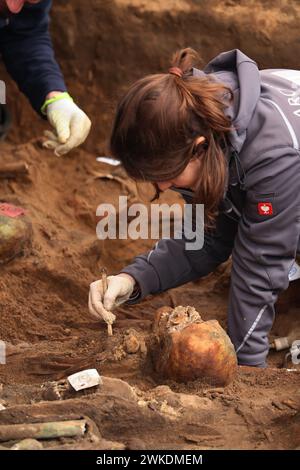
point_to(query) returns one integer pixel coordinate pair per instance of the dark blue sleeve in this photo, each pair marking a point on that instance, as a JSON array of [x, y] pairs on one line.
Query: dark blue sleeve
[[27, 51]]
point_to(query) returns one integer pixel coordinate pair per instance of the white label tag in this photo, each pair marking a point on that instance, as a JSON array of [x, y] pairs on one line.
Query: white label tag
[[108, 160], [85, 379]]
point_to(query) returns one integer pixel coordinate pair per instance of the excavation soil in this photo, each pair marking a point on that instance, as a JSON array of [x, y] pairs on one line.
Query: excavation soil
[[43, 294]]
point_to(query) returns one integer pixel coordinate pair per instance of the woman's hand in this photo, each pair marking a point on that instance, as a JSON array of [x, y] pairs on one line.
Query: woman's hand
[[119, 289]]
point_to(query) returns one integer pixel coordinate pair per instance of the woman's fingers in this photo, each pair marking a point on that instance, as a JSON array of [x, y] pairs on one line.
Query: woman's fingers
[[119, 290], [96, 307], [92, 311]]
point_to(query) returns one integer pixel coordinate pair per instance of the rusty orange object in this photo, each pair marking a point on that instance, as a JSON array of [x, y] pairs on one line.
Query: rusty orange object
[[183, 347]]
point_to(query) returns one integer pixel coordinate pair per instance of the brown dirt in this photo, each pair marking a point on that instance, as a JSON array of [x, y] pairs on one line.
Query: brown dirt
[[43, 295]]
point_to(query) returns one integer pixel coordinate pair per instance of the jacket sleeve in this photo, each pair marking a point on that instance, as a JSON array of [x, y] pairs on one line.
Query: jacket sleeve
[[264, 251], [27, 51], [169, 264]]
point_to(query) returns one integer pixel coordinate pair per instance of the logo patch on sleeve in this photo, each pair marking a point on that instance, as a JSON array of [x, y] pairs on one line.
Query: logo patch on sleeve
[[265, 208]]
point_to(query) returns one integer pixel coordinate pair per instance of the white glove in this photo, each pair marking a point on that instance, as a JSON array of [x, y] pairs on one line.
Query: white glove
[[70, 123], [119, 289]]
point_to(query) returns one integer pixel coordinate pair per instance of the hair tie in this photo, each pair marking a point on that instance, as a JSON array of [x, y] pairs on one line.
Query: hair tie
[[176, 71]]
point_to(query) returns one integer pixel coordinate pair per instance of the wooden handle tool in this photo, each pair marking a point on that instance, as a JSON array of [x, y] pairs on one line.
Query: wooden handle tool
[[104, 284]]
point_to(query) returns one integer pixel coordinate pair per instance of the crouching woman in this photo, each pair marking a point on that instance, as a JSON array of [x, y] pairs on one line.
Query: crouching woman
[[228, 137]]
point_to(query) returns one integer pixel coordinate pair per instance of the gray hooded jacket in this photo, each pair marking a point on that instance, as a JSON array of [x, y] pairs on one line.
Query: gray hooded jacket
[[260, 220]]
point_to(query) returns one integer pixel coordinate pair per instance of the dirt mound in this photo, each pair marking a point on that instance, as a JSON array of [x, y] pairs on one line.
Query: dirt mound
[[49, 334], [206, 418], [43, 295]]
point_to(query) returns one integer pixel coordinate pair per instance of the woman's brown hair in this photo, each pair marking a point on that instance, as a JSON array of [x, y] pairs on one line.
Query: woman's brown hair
[[158, 121]]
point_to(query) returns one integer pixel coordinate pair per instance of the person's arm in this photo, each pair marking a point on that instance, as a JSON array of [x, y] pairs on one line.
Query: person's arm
[[169, 264], [27, 51], [264, 251]]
